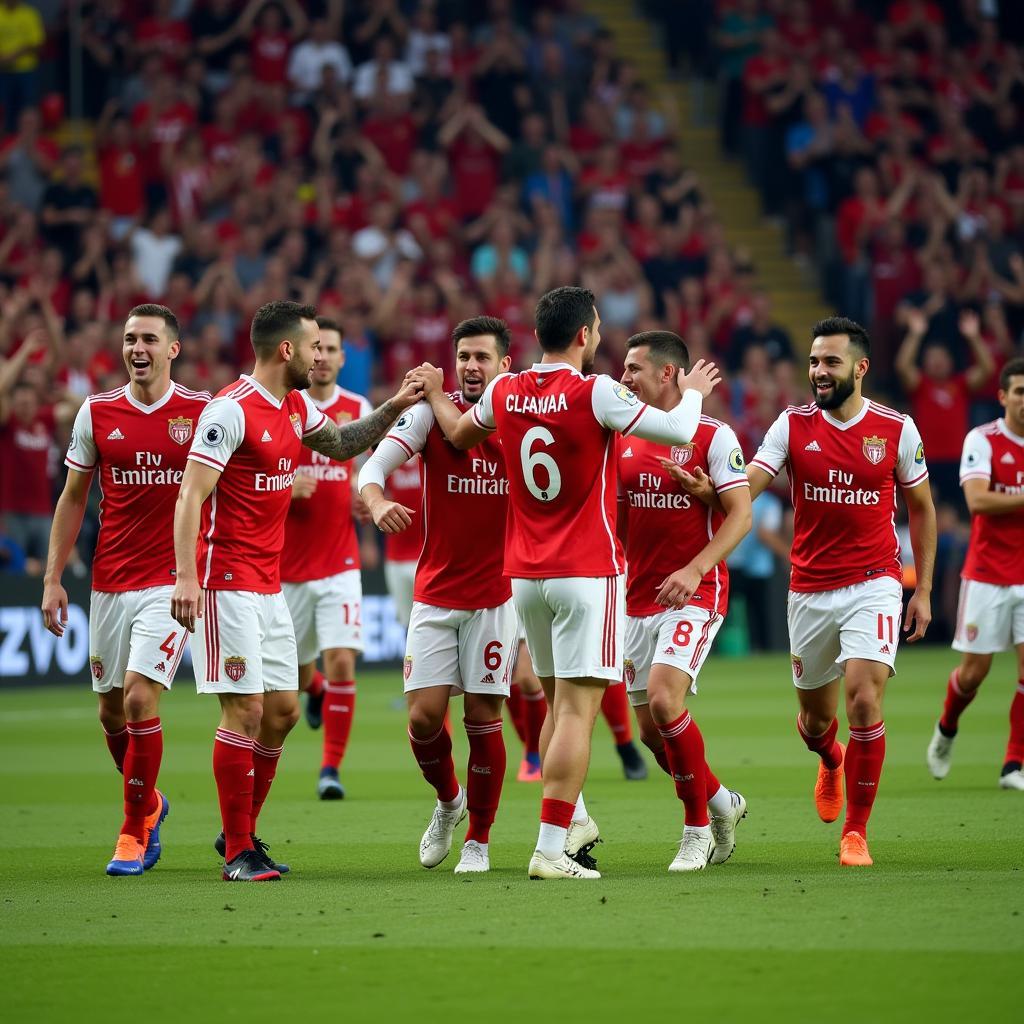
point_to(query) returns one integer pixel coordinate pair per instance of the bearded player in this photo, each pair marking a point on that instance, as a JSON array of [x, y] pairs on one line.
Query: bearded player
[[991, 613], [238, 483], [137, 436], [846, 455], [462, 631], [320, 566], [557, 425], [672, 618]]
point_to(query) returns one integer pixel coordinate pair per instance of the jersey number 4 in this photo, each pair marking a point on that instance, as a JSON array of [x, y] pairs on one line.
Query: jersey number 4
[[532, 461]]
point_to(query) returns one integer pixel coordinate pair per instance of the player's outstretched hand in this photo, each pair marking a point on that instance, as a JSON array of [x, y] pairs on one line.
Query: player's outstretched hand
[[187, 603], [303, 485], [703, 377], [391, 516], [919, 614], [411, 390], [697, 483], [55, 608], [677, 589], [431, 377]]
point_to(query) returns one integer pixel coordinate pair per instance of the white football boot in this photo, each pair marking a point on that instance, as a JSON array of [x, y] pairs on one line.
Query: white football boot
[[695, 849], [542, 867], [436, 843], [1012, 780], [582, 835], [723, 829], [474, 859], [940, 754]]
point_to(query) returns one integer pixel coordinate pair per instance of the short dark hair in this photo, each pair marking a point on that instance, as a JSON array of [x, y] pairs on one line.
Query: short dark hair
[[1013, 368], [665, 347], [155, 309], [274, 322], [833, 325], [478, 325], [328, 323], [560, 314]]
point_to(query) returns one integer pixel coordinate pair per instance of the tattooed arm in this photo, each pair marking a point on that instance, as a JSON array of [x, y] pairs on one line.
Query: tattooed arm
[[348, 441]]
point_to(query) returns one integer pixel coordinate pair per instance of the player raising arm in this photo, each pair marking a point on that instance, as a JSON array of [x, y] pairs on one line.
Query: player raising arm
[[137, 437], [557, 425], [239, 480]]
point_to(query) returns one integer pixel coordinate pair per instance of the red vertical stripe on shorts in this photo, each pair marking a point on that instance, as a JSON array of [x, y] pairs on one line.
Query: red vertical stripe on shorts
[[702, 642]]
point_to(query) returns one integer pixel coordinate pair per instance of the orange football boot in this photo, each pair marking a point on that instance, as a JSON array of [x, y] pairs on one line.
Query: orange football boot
[[528, 772], [828, 790], [853, 851]]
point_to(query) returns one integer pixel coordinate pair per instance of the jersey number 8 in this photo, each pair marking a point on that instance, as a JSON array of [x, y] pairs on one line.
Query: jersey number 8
[[531, 460]]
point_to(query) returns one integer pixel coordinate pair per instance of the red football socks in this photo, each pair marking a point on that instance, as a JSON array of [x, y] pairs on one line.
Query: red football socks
[[141, 767], [535, 710], [825, 745], [517, 712], [863, 770], [339, 708], [234, 772], [1015, 747], [956, 703], [615, 708], [264, 768], [486, 775], [685, 748], [556, 812], [434, 756], [711, 783], [316, 684], [117, 744]]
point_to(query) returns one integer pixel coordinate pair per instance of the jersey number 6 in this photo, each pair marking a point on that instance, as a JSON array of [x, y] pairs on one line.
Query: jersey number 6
[[531, 460]]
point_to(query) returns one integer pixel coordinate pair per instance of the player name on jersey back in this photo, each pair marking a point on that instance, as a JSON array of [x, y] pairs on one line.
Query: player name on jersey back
[[843, 480], [140, 452], [995, 555], [256, 442]]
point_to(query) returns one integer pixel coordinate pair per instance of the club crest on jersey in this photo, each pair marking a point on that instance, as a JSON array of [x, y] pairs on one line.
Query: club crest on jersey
[[234, 668], [972, 632], [407, 667], [874, 449], [630, 671], [682, 453], [180, 429], [342, 417], [798, 666], [96, 664], [296, 422]]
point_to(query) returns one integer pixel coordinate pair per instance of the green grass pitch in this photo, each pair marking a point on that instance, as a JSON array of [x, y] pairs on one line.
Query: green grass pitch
[[360, 931]]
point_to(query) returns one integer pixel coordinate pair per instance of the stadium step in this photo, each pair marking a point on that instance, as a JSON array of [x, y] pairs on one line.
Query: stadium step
[[796, 298]]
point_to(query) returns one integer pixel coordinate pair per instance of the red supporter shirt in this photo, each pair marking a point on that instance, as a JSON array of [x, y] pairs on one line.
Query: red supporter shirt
[[121, 182], [666, 527], [475, 168], [320, 536], [166, 129], [465, 508], [842, 479], [26, 477], [941, 410], [140, 451], [996, 552], [256, 442], [405, 485], [558, 428], [268, 52]]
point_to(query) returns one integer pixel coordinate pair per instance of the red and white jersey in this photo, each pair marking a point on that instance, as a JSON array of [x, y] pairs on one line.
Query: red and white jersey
[[320, 537], [256, 441], [996, 553], [405, 485], [465, 508], [666, 528], [140, 451], [558, 428], [843, 480]]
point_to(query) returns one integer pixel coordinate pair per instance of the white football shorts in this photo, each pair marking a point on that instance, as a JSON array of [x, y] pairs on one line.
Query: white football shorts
[[244, 643], [989, 618], [469, 651], [400, 578], [829, 627], [133, 631], [574, 625], [679, 638], [326, 614]]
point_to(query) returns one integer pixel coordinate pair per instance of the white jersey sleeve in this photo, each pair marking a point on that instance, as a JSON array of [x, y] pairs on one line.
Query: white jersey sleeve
[[82, 446], [219, 432], [407, 437], [617, 408], [976, 458], [774, 450], [911, 468], [726, 465], [483, 411], [314, 419]]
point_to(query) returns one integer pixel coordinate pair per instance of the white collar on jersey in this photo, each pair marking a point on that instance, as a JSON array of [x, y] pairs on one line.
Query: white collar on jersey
[[1008, 433], [147, 409], [551, 367], [852, 422], [276, 403]]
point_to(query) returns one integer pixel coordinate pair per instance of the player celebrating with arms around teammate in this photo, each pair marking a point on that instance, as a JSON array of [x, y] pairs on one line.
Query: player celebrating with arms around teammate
[[557, 425], [137, 436], [239, 481], [991, 614], [672, 622], [845, 455], [462, 631]]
